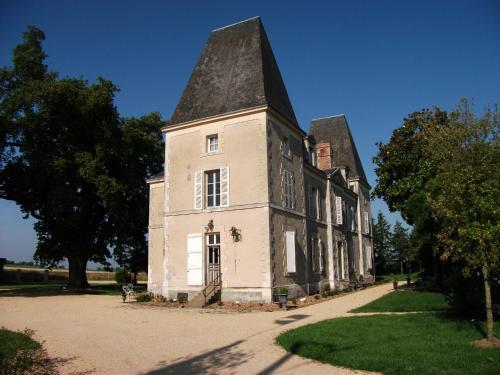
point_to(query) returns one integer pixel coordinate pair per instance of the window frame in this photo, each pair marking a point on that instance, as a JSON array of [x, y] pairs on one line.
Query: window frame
[[214, 183], [209, 144]]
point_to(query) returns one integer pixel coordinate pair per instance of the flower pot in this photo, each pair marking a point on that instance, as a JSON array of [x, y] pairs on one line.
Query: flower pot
[[283, 300]]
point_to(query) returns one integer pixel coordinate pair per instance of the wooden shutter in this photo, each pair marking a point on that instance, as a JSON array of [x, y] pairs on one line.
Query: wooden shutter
[[367, 223], [198, 190], [292, 190], [194, 259], [224, 187], [338, 209], [290, 252]]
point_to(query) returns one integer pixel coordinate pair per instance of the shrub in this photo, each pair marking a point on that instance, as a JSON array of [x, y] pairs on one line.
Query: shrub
[[282, 290], [122, 276], [143, 298]]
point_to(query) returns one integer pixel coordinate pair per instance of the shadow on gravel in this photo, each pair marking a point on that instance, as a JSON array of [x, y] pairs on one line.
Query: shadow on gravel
[[214, 361]]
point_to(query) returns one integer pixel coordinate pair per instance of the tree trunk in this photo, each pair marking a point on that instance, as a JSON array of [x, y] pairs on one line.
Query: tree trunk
[[401, 263], [77, 273], [489, 306]]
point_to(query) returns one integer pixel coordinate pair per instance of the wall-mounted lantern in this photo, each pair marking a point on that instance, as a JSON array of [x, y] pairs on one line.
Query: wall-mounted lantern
[[235, 233]]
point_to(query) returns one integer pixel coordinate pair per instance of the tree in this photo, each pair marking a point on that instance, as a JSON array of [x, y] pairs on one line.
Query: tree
[[382, 244], [401, 247], [141, 157], [442, 171], [464, 196], [61, 147]]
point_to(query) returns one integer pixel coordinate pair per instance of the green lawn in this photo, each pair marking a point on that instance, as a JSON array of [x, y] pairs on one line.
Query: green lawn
[[406, 300], [400, 277], [58, 288], [10, 342], [410, 344]]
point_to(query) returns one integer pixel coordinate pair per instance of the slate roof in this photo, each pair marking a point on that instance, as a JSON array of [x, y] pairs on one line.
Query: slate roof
[[236, 71], [344, 154]]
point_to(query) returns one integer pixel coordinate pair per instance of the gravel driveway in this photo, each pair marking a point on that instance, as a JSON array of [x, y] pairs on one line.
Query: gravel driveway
[[94, 334]]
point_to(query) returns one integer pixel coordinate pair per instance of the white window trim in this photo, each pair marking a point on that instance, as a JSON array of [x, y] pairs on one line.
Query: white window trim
[[209, 138]]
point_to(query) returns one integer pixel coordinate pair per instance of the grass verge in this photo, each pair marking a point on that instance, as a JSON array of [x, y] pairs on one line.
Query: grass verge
[[397, 345], [405, 301]]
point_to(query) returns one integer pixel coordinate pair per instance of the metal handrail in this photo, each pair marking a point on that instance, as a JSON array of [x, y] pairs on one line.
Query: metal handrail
[[214, 285]]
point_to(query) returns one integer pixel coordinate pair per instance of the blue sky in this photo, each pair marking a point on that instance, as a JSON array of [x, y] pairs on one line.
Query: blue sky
[[375, 61]]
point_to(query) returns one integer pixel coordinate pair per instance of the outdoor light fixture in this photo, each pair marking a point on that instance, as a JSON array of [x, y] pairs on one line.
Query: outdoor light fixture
[[235, 233], [210, 226]]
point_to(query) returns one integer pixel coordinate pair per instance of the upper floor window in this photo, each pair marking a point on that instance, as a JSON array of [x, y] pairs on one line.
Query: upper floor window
[[213, 143], [288, 189], [285, 147], [353, 218], [315, 203], [213, 188], [312, 157]]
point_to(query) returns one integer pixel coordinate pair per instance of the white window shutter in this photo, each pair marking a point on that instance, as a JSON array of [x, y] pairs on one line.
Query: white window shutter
[[224, 187], [198, 190], [292, 189], [290, 252], [194, 259], [367, 223], [338, 209]]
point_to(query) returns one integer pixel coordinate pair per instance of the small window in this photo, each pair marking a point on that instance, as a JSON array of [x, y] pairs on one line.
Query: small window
[[213, 143], [285, 147], [312, 152]]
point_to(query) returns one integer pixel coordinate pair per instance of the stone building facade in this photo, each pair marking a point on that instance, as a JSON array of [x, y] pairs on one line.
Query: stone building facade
[[247, 197]]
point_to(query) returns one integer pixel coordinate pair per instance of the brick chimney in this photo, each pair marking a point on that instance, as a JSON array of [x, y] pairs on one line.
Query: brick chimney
[[324, 155]]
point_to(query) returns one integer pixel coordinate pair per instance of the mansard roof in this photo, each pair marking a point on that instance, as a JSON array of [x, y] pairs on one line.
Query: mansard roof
[[236, 71], [335, 130]]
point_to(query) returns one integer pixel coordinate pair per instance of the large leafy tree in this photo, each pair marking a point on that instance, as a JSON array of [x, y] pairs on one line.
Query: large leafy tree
[[441, 171], [382, 244], [65, 155], [465, 194]]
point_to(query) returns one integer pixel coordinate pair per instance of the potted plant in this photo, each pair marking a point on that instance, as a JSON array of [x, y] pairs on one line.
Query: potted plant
[[283, 296], [394, 282]]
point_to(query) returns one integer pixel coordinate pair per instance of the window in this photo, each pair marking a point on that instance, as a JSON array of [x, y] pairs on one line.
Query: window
[[315, 203], [353, 218], [317, 256], [288, 190], [313, 156], [285, 147], [213, 257], [367, 222], [338, 209], [213, 188], [212, 143]]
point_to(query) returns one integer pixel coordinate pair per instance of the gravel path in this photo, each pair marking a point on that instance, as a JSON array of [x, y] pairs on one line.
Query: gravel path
[[100, 335]]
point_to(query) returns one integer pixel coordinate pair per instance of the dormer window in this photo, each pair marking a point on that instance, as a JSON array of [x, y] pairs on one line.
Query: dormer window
[[285, 147], [212, 143]]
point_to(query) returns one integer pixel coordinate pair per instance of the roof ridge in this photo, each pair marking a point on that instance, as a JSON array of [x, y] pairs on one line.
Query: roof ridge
[[324, 118], [236, 23]]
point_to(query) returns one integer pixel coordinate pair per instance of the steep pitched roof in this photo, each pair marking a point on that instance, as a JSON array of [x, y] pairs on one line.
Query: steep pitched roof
[[236, 71], [336, 131]]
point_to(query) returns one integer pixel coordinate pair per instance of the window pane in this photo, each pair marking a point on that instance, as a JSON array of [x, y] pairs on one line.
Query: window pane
[[217, 238], [217, 200], [210, 177], [217, 188], [210, 201], [210, 189], [217, 176]]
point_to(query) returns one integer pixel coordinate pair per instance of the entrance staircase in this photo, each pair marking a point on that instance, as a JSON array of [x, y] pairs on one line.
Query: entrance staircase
[[210, 294]]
